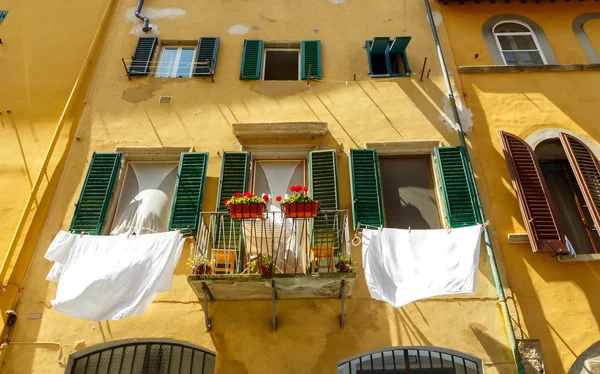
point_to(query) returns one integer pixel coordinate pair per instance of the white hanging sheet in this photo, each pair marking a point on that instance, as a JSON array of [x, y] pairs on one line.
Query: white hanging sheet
[[111, 277], [146, 199], [402, 266]]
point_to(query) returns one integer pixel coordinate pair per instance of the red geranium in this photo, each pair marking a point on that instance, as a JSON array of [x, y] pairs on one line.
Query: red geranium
[[238, 195], [248, 194], [226, 202], [265, 198], [278, 198], [305, 189]]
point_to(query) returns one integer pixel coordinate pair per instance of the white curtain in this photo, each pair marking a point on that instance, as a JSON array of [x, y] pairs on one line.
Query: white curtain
[[146, 199]]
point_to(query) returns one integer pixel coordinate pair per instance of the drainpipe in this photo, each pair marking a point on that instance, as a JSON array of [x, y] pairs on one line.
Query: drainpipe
[[138, 14], [471, 175]]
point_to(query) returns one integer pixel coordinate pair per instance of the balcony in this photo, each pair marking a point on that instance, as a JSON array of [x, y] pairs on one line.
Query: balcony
[[302, 253]]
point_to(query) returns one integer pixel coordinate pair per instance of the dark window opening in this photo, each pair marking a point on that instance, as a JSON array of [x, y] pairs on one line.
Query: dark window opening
[[378, 64], [408, 193], [281, 65], [398, 64], [573, 216]]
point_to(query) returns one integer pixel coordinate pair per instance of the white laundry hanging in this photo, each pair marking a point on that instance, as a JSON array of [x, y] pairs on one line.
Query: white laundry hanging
[[402, 266], [146, 198], [111, 277]]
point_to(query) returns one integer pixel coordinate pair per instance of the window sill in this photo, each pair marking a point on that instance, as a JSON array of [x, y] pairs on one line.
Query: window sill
[[579, 258], [389, 75], [476, 69]]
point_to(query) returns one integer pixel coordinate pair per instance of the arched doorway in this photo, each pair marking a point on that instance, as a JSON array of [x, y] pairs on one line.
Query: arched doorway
[[142, 356], [419, 360]]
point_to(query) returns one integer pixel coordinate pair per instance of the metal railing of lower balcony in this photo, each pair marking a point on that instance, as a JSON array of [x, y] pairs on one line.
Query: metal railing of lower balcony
[[291, 245]]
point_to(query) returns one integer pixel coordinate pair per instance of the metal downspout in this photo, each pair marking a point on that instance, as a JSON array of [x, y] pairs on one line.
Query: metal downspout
[[471, 175], [138, 14]]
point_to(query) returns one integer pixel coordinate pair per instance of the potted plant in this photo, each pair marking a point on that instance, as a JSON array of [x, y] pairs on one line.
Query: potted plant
[[263, 265], [300, 204], [344, 264], [200, 265], [247, 205]]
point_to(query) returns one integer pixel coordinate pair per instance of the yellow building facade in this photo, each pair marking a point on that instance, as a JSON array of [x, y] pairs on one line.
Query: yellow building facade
[[555, 295], [281, 87]]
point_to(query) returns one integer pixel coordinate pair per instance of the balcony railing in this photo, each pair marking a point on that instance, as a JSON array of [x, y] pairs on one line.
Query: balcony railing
[[293, 245], [303, 253]]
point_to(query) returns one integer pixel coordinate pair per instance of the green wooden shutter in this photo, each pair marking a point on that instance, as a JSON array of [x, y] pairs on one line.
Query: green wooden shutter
[[207, 51], [235, 176], [322, 176], [459, 192], [140, 61], [323, 187], [251, 59], [95, 194], [311, 56], [365, 187], [189, 191]]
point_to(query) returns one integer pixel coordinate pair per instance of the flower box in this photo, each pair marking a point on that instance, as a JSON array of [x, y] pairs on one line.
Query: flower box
[[246, 211], [301, 210]]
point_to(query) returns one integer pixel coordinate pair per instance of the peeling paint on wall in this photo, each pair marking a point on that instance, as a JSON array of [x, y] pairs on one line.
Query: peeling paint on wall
[[238, 29], [153, 14], [437, 18], [465, 114]]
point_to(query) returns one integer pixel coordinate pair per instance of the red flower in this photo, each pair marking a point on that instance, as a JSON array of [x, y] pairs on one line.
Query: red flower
[[226, 202], [238, 195], [293, 188], [305, 189], [248, 194], [278, 198], [265, 198]]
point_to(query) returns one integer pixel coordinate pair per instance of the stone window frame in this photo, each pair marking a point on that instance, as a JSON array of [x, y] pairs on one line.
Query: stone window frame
[[591, 53], [492, 44]]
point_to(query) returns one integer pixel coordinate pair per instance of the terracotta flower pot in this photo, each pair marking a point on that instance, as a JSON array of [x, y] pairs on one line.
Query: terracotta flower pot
[[301, 210], [202, 270], [246, 211]]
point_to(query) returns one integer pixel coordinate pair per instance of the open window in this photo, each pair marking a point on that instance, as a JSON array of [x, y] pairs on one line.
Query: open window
[[388, 57], [281, 60], [558, 192], [400, 191], [151, 193]]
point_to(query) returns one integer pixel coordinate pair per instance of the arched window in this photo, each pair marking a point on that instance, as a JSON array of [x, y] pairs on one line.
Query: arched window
[[408, 359], [518, 44], [142, 356]]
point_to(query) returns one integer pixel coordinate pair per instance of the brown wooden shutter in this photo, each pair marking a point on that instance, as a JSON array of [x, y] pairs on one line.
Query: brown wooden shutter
[[587, 173], [535, 201]]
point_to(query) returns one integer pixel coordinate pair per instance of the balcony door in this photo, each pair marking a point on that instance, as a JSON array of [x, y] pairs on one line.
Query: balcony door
[[285, 240]]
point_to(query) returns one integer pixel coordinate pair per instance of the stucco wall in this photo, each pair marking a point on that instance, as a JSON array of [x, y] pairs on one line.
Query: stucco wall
[[557, 302], [126, 113]]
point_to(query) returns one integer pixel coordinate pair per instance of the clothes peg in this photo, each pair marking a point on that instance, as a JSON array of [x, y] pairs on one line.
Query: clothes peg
[[409, 229], [82, 233]]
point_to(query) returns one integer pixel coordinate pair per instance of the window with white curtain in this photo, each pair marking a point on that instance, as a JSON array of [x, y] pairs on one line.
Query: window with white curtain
[[518, 44], [144, 205], [176, 62]]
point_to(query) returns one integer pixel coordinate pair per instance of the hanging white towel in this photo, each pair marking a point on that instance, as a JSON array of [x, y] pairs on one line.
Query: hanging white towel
[[402, 266], [112, 277]]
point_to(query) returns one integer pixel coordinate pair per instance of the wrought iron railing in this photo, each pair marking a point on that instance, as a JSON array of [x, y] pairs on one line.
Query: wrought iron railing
[[292, 245]]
